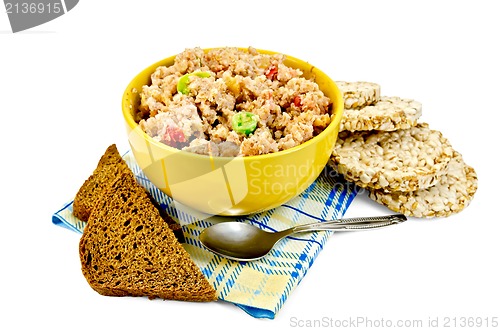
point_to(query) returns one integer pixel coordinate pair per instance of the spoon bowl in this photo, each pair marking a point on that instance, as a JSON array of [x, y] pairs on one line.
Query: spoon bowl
[[238, 241], [245, 242]]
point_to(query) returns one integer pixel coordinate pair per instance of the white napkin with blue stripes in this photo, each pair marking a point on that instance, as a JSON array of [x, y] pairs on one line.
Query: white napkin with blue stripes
[[259, 287]]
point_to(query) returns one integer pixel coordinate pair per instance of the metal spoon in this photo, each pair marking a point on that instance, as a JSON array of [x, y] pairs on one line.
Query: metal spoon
[[245, 242]]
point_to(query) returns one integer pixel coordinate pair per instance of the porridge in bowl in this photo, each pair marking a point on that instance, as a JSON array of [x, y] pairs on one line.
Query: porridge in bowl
[[231, 102]]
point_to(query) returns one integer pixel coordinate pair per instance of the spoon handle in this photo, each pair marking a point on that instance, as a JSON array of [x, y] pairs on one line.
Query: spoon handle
[[350, 224]]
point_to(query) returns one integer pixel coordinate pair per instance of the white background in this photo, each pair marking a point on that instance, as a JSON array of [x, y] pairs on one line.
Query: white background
[[60, 91]]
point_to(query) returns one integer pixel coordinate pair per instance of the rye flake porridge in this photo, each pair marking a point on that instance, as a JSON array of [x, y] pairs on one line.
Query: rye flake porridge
[[231, 102]]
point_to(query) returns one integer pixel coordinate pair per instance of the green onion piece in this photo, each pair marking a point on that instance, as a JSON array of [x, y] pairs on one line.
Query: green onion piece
[[245, 122], [182, 84], [201, 74]]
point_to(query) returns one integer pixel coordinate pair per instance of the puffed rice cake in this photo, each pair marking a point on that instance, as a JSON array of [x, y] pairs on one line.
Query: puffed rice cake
[[359, 94], [388, 114], [452, 193], [401, 160]]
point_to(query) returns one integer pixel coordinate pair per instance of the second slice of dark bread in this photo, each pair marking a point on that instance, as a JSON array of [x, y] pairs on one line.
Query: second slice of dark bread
[[110, 166]]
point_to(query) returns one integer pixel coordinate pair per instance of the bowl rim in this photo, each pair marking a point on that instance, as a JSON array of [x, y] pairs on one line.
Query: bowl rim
[[339, 110]]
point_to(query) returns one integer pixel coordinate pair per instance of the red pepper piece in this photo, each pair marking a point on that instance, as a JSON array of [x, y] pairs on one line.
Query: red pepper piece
[[272, 72], [297, 101], [174, 136]]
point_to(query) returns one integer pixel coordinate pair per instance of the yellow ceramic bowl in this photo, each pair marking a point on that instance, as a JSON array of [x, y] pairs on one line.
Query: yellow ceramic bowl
[[227, 185]]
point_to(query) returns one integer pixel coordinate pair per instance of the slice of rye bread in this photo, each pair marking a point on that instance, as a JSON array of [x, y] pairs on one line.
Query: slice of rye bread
[[110, 166], [128, 250], [401, 160], [453, 192], [387, 114]]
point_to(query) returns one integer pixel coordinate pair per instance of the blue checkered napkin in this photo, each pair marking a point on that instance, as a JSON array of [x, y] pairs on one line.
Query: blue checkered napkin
[[259, 287]]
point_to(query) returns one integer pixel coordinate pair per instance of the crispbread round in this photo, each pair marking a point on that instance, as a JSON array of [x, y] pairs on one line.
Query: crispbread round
[[451, 194], [401, 160], [359, 94], [388, 114]]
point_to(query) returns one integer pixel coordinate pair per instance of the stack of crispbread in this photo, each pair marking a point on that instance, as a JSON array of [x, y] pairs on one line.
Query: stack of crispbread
[[404, 164]]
